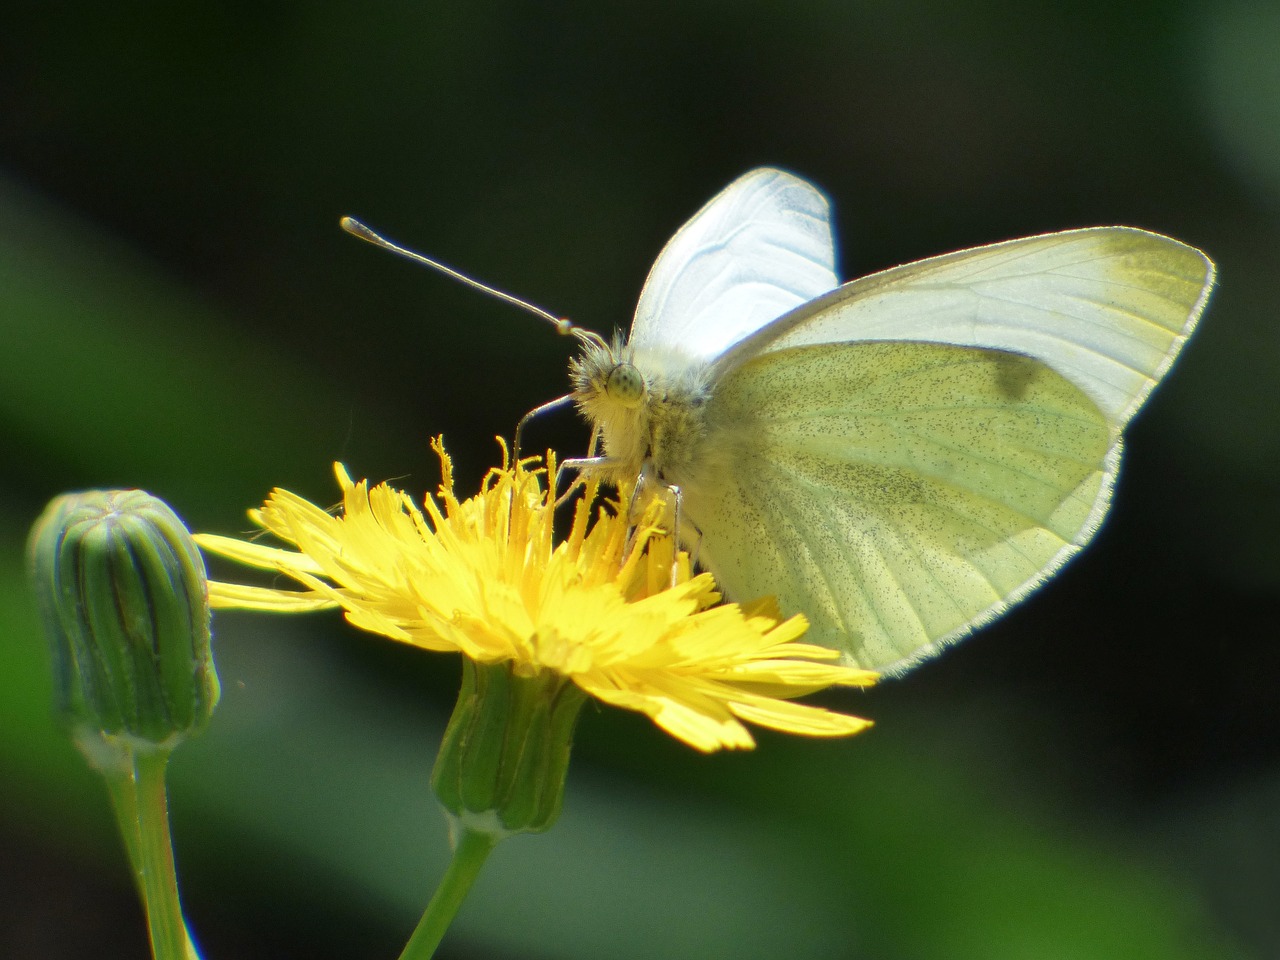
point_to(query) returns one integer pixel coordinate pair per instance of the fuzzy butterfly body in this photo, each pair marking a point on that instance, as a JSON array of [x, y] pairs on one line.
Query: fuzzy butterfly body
[[901, 457]]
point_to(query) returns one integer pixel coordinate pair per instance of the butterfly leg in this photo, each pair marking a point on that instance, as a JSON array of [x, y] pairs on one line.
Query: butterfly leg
[[677, 500], [696, 549], [547, 407]]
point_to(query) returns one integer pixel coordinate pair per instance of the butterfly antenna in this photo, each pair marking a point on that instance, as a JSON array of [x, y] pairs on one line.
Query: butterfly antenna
[[357, 229]]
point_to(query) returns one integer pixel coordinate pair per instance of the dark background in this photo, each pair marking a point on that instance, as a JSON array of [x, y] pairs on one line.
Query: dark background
[[1095, 776]]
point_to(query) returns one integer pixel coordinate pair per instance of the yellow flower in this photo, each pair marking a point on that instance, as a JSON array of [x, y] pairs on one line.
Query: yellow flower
[[484, 577]]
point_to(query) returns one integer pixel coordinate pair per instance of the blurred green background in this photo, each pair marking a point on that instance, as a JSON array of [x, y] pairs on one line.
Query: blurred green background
[[1096, 776]]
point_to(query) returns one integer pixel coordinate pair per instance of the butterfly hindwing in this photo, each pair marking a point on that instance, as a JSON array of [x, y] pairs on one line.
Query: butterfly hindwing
[[896, 493]]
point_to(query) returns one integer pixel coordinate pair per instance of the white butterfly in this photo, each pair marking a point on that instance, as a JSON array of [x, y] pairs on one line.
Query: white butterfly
[[902, 457]]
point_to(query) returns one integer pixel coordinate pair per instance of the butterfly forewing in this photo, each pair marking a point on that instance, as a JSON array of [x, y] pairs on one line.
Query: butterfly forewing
[[1107, 307], [758, 249]]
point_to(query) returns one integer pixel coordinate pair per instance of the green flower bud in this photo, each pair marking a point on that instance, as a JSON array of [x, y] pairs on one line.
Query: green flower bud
[[122, 592], [505, 754]]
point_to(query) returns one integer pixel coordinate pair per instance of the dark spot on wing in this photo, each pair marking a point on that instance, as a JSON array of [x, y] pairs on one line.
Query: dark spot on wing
[[1014, 374]]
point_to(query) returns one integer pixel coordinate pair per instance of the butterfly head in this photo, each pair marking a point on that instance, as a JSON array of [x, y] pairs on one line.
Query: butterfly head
[[605, 377], [612, 394]]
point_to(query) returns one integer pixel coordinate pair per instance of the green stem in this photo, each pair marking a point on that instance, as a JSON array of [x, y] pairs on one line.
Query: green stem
[[136, 787], [153, 859], [469, 855], [124, 801]]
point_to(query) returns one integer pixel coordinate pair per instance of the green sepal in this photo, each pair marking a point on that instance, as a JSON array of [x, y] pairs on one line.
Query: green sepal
[[505, 755], [122, 592]]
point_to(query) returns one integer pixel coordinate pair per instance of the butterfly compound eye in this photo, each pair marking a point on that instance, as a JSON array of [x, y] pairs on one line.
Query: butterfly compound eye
[[625, 385]]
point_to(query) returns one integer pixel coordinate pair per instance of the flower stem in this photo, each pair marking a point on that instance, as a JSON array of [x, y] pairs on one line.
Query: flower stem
[[142, 811], [124, 802], [469, 854]]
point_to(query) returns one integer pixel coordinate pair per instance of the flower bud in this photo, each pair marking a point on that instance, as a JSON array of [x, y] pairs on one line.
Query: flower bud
[[505, 755], [122, 593]]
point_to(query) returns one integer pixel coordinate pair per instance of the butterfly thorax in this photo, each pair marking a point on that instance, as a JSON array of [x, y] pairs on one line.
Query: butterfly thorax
[[647, 405]]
